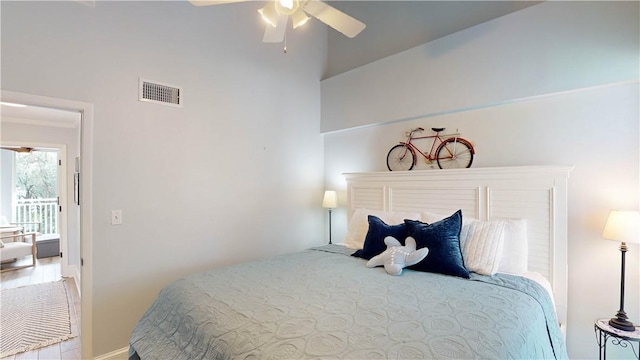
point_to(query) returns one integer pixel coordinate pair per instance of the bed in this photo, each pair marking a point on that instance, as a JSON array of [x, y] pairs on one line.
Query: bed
[[325, 303]]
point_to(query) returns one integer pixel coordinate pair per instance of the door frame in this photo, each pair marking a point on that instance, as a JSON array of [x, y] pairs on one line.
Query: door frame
[[86, 217]]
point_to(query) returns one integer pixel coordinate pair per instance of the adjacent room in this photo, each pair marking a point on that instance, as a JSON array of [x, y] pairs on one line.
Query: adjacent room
[[231, 167], [40, 228]]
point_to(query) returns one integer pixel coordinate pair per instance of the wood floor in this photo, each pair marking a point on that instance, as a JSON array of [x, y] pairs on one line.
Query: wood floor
[[47, 270]]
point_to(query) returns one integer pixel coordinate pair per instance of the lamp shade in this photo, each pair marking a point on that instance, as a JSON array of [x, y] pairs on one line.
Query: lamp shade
[[330, 199], [622, 226]]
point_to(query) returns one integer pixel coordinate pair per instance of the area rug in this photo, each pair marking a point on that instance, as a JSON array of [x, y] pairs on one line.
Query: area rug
[[33, 316]]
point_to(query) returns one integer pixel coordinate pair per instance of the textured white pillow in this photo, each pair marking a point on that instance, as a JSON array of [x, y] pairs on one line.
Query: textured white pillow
[[481, 244], [515, 253], [359, 224]]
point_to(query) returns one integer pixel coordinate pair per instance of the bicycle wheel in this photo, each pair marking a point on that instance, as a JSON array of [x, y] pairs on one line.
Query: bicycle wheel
[[400, 158], [454, 154]]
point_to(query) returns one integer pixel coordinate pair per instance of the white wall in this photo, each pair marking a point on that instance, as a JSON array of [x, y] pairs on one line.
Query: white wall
[[594, 128], [6, 182], [236, 174]]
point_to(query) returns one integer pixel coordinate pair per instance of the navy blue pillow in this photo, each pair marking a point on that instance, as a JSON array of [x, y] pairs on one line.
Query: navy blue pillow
[[374, 241], [443, 240]]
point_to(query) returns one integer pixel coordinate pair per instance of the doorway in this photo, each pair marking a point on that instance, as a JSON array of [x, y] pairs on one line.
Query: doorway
[[35, 188], [78, 195], [34, 193]]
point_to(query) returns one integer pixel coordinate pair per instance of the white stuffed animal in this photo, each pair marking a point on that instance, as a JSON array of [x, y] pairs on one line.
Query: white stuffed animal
[[397, 257]]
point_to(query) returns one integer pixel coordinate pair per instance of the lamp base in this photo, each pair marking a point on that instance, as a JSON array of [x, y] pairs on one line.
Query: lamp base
[[620, 322]]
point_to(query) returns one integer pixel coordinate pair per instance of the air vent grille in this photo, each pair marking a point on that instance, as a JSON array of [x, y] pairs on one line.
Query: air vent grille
[[152, 91]]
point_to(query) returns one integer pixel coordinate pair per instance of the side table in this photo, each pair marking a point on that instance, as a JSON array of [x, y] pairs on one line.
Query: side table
[[624, 339]]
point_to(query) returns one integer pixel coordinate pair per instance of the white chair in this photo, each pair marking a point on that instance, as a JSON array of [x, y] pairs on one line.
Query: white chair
[[15, 247], [8, 227]]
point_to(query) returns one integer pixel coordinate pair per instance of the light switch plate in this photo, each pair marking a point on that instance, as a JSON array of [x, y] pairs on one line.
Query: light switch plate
[[116, 217]]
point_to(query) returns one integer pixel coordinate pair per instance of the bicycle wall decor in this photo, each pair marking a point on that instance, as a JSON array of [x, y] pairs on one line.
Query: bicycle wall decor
[[452, 151]]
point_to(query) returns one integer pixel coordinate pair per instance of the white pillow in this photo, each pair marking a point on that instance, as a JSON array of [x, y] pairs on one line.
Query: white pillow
[[515, 253], [429, 217], [359, 224], [481, 242]]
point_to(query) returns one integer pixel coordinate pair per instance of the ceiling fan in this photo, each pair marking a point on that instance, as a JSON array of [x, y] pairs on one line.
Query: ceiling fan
[[277, 13], [20, 149]]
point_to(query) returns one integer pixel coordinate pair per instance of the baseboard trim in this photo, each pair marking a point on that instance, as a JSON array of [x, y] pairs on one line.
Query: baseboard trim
[[75, 273], [72, 271], [121, 354]]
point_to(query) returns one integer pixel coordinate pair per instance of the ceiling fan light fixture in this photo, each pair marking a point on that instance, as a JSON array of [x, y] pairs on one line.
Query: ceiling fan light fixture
[[286, 7], [277, 12], [286, 3], [269, 14], [299, 18]]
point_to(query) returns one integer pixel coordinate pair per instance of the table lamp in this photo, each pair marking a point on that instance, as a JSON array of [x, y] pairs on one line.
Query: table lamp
[[330, 201], [622, 226]]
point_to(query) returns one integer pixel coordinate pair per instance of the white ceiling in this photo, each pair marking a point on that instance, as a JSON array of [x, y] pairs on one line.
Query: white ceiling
[[395, 26], [392, 27]]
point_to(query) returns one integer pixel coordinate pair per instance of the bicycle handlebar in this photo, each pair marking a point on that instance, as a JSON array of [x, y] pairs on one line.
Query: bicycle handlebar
[[410, 133]]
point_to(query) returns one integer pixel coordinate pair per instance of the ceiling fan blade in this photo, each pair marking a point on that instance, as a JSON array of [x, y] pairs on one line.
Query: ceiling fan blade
[[213, 2], [276, 34], [335, 18], [20, 149]]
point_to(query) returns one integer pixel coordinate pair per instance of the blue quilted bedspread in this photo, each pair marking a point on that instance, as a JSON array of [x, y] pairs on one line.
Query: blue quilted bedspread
[[323, 303]]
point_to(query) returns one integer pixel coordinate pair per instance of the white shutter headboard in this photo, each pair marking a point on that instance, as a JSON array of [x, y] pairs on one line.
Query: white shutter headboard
[[535, 193]]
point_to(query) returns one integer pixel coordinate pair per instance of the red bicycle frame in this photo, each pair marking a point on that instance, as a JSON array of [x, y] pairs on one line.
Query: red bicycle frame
[[440, 138]]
